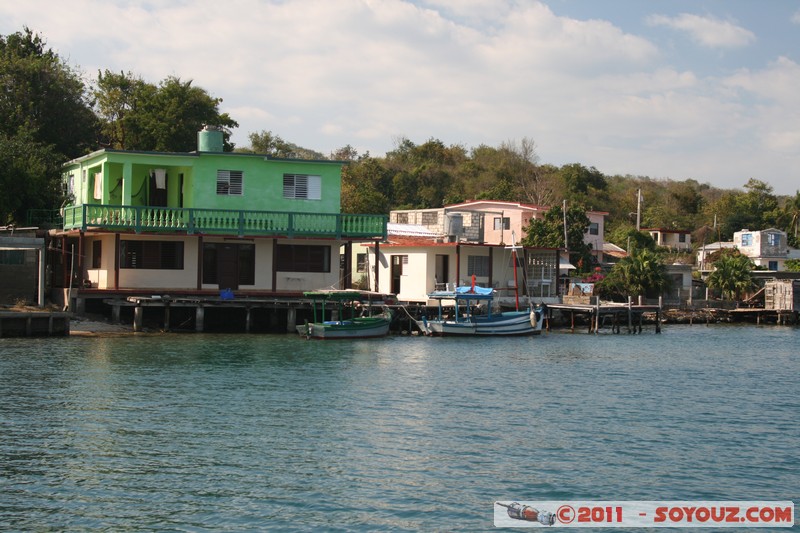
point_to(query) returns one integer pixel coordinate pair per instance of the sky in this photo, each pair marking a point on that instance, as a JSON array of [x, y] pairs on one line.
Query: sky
[[669, 89]]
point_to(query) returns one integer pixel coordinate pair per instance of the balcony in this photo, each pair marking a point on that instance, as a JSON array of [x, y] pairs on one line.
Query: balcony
[[224, 222]]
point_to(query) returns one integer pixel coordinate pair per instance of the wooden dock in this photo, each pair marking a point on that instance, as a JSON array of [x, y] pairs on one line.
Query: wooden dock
[[601, 315]]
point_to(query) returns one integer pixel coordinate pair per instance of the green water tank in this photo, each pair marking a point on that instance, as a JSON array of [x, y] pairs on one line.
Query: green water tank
[[209, 139]]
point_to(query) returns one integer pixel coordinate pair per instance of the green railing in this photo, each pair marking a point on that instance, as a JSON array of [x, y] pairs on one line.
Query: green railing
[[223, 221], [43, 217]]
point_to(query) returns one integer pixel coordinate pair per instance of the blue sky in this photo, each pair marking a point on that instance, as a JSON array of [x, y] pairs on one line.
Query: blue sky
[[678, 89]]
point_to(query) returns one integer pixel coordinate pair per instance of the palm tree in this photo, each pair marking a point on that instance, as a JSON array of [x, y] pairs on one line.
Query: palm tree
[[640, 274], [732, 275], [790, 217]]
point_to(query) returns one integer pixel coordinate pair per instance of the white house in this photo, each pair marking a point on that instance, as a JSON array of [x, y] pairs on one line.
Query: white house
[[413, 265], [767, 248], [492, 222], [671, 238]]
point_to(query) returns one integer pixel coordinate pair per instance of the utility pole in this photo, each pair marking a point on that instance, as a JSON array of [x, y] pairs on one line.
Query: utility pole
[[639, 210], [566, 241]]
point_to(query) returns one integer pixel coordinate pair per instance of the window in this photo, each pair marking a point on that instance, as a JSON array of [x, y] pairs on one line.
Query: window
[[478, 265], [502, 223], [361, 262], [230, 182], [402, 218], [747, 239], [773, 266], [303, 258], [430, 219], [156, 255], [97, 250], [301, 186], [594, 228], [773, 239]]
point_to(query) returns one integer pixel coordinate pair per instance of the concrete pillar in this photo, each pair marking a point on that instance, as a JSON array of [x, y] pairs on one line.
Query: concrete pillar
[[291, 320], [115, 313], [41, 276], [138, 315], [166, 316], [199, 316], [248, 320]]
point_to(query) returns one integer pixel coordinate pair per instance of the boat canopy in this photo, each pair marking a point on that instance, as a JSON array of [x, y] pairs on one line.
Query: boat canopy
[[464, 293]]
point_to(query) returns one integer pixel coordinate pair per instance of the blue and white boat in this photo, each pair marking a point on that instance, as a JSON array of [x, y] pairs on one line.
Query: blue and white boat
[[473, 315]]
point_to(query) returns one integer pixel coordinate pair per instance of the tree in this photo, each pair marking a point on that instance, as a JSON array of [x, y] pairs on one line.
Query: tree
[[29, 177], [45, 119], [640, 274], [166, 118], [548, 232], [43, 97], [626, 236], [790, 219], [731, 274], [365, 187], [119, 98]]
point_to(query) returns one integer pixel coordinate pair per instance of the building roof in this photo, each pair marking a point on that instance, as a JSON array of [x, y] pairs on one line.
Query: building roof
[[667, 230], [609, 248], [498, 204]]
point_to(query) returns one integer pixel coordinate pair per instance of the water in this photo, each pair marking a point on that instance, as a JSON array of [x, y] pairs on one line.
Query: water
[[246, 433]]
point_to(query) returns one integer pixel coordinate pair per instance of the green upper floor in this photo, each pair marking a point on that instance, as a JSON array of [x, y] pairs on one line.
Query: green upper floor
[[228, 192]]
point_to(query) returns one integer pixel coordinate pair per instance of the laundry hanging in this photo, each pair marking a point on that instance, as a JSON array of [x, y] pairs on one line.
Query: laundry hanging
[[98, 186], [161, 178]]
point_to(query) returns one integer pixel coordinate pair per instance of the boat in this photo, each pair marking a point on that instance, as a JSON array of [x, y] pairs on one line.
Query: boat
[[355, 305], [473, 315]]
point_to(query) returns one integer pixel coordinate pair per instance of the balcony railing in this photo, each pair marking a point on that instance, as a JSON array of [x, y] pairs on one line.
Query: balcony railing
[[224, 221]]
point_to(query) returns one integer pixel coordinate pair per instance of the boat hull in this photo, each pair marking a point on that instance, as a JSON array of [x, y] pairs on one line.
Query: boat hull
[[358, 328], [509, 323]]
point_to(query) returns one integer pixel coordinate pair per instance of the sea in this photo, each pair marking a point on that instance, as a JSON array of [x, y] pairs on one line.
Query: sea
[[236, 432]]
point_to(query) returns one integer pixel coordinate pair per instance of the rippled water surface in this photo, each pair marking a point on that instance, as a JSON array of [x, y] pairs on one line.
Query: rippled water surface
[[236, 432]]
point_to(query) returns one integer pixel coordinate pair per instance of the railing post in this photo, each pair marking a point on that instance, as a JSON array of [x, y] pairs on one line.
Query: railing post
[[339, 220], [190, 228], [85, 211], [290, 229], [241, 223], [137, 219]]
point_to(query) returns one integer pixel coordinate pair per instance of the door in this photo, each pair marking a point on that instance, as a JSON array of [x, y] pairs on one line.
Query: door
[[397, 271], [442, 270], [228, 266]]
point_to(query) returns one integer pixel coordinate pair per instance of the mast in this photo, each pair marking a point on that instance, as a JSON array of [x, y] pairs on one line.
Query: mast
[[513, 248]]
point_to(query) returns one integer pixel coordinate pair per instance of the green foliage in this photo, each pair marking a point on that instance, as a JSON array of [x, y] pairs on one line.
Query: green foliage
[[363, 187], [29, 177], [731, 275], [625, 236], [640, 274], [42, 98], [548, 232], [137, 115], [793, 265], [45, 119]]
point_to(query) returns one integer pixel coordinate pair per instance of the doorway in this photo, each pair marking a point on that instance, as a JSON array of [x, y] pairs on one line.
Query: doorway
[[228, 266], [397, 271]]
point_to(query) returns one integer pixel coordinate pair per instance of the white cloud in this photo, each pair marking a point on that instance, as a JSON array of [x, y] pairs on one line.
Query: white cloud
[[708, 31], [325, 74], [796, 17]]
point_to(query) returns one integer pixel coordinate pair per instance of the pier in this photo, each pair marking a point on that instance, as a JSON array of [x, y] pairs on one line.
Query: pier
[[33, 324], [615, 315]]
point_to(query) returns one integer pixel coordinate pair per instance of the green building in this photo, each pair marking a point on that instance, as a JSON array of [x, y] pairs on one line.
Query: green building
[[205, 221]]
